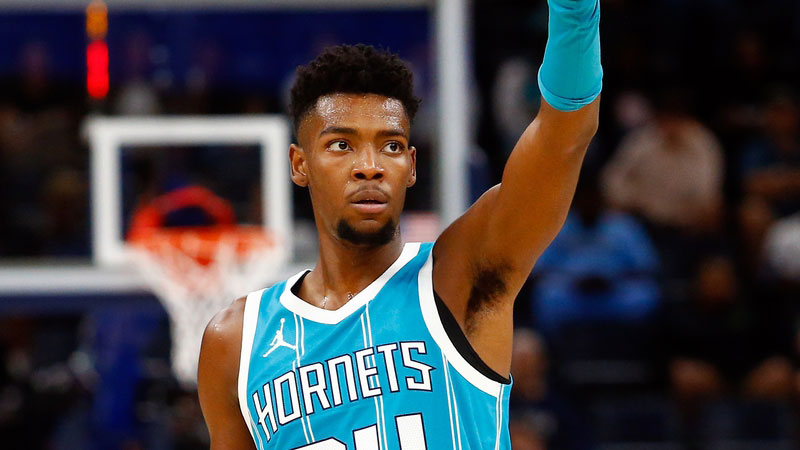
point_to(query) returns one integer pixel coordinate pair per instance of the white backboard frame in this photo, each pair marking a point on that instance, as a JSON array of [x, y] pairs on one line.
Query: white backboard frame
[[108, 135]]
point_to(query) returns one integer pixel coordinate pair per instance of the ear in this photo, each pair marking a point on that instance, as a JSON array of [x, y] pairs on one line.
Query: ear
[[412, 176], [297, 158]]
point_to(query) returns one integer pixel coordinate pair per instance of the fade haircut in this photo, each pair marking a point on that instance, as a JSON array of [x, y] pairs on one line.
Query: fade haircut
[[352, 69]]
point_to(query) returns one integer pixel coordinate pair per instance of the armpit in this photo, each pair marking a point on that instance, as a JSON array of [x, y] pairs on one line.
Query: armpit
[[489, 284]]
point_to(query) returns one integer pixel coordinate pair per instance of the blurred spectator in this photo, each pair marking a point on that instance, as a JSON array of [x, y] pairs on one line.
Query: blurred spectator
[[595, 296], [601, 266], [755, 217], [770, 177], [515, 98], [37, 386], [523, 437], [721, 341], [632, 111], [542, 419], [670, 172], [201, 95], [35, 89], [771, 162], [137, 95], [188, 427], [38, 138], [65, 231], [740, 91], [782, 248]]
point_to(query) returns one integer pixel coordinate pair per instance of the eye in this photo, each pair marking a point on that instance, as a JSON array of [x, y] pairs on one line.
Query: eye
[[393, 147], [339, 146]]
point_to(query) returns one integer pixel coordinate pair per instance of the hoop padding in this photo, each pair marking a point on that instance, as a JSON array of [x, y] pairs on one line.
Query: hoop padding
[[196, 272]]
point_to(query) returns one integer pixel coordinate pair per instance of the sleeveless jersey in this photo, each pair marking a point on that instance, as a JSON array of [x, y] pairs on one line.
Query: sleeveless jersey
[[379, 373]]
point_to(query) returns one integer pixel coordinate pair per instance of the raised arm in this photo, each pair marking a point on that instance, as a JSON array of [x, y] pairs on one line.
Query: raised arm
[[483, 258]]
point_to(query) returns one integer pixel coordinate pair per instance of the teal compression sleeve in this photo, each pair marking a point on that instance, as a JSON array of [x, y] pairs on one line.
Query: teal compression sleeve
[[571, 75]]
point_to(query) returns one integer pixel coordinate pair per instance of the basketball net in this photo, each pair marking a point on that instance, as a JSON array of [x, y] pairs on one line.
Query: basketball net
[[196, 272]]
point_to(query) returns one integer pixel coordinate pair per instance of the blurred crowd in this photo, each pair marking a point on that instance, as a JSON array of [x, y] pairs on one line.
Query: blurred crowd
[[665, 315]]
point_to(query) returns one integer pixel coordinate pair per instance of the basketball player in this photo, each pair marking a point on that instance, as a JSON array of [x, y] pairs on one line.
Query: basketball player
[[386, 345]]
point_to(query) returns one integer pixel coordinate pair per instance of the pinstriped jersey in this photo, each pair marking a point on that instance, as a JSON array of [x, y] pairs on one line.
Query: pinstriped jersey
[[379, 373]]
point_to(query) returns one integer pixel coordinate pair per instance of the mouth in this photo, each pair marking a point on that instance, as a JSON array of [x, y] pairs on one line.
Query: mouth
[[369, 207], [369, 202]]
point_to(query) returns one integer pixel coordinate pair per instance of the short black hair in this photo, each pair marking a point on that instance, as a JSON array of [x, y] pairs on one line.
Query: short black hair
[[352, 69]]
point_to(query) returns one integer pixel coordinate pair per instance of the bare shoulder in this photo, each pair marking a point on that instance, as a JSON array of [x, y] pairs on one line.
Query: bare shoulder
[[226, 325], [222, 342]]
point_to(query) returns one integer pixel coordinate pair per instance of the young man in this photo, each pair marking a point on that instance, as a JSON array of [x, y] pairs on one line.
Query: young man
[[385, 345]]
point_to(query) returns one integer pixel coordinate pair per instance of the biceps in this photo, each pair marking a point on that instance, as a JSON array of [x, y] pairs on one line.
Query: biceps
[[515, 221], [216, 389], [532, 202], [232, 440], [227, 429], [226, 426]]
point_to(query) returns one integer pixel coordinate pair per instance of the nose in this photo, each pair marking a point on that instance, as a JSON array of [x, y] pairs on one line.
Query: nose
[[367, 166]]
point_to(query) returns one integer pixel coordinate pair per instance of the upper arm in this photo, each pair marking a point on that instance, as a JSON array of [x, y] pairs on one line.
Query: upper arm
[[538, 185], [514, 222], [217, 380], [483, 258]]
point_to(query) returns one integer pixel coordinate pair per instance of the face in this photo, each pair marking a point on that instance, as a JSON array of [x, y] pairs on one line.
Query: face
[[353, 155]]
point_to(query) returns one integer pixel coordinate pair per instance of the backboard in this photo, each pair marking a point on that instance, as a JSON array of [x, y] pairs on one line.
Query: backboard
[[108, 136]]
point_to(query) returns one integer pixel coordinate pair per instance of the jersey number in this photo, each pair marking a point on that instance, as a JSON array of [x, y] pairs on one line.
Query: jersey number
[[410, 431]]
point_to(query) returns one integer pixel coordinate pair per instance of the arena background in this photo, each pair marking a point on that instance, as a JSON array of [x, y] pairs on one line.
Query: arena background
[[665, 316]]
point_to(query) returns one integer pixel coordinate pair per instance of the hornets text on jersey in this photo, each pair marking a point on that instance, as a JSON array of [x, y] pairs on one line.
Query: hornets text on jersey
[[379, 373]]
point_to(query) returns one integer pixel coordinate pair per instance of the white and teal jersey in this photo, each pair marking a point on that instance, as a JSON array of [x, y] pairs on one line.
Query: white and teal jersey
[[379, 373]]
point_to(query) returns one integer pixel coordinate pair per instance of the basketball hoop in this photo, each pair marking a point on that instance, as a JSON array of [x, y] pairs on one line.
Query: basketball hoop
[[197, 271]]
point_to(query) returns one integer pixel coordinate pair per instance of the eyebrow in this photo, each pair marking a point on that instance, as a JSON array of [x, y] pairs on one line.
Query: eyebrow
[[347, 130], [338, 130], [392, 132]]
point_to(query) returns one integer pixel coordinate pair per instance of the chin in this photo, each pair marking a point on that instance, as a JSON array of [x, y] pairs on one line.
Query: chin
[[370, 233]]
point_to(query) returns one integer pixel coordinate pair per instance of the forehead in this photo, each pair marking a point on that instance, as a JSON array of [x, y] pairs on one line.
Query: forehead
[[367, 112]]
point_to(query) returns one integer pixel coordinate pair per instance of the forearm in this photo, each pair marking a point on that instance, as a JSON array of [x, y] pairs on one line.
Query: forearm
[[542, 171], [568, 131], [571, 75]]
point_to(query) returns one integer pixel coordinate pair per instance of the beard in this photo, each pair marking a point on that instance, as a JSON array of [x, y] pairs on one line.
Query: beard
[[377, 238]]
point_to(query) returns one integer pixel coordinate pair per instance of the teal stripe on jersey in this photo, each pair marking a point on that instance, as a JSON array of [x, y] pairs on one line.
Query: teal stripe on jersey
[[377, 374]]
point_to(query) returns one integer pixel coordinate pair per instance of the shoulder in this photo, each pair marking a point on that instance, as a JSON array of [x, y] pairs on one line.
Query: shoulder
[[227, 323], [222, 339]]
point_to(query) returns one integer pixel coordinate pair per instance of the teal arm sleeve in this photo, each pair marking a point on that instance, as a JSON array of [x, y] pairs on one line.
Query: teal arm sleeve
[[571, 75]]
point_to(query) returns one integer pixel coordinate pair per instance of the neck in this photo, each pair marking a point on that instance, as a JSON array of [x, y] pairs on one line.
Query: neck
[[343, 268]]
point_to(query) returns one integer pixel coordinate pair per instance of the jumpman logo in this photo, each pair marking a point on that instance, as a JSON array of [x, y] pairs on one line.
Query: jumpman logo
[[278, 341]]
